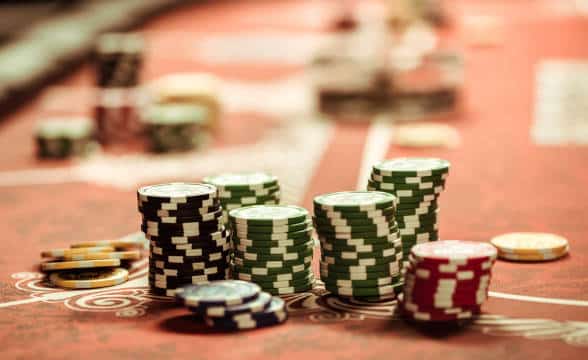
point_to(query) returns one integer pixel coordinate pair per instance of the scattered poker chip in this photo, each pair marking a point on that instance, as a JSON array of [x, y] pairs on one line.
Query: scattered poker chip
[[83, 264], [273, 315], [89, 279], [58, 253], [218, 293], [354, 201], [411, 167], [529, 244], [122, 255]]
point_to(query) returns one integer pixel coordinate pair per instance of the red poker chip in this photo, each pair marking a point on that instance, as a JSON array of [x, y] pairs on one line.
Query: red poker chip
[[458, 291], [446, 282], [411, 306], [457, 252], [423, 314], [422, 298], [447, 268], [429, 302], [428, 274]]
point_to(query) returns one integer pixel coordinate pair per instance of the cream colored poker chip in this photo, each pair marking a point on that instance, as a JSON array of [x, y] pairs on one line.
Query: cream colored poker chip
[[89, 279], [546, 256], [122, 255], [124, 243], [531, 244], [82, 264], [71, 252]]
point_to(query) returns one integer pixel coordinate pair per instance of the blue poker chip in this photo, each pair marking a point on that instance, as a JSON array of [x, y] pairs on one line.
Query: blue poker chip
[[218, 293], [275, 314], [261, 303]]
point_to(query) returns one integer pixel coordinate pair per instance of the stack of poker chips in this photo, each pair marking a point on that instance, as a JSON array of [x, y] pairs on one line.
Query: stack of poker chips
[[188, 242], [447, 280], [233, 305], [62, 138], [416, 183], [530, 246], [174, 127], [119, 57], [92, 264], [273, 247], [360, 243], [243, 189]]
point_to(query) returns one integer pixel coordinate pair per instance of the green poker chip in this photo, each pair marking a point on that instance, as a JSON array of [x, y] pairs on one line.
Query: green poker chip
[[360, 255], [405, 192], [340, 247], [335, 239], [389, 211], [327, 275], [374, 261], [328, 232], [289, 290], [251, 200], [244, 228], [376, 282], [304, 234], [271, 271], [308, 279], [293, 277], [272, 264], [273, 257], [354, 201], [426, 236], [269, 215], [425, 205], [353, 222], [242, 181], [309, 244], [356, 229], [403, 167], [419, 212], [387, 269], [259, 244], [410, 180], [238, 194], [418, 200], [360, 292]]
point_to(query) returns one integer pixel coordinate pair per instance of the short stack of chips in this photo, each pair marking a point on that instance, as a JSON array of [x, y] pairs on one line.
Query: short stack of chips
[[233, 305], [119, 57], [116, 114], [174, 127], [243, 189], [63, 138], [530, 246], [92, 264], [273, 247], [188, 242], [447, 280], [417, 184], [361, 250]]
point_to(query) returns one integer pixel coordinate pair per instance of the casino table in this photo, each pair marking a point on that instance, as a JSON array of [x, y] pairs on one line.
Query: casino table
[[501, 180]]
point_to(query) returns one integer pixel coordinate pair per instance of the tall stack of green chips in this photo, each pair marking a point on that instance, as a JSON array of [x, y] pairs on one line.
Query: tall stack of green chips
[[417, 183], [175, 127], [244, 189], [273, 247], [361, 250]]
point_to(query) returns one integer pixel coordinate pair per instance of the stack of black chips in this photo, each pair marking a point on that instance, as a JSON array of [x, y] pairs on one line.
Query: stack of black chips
[[188, 241], [119, 58]]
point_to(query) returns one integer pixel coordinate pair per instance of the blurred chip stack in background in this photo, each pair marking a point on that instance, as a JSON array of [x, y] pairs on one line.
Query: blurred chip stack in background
[[64, 137], [118, 59]]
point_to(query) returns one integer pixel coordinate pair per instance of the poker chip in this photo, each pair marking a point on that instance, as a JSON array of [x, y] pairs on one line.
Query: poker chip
[[64, 137], [89, 279], [124, 243], [412, 167], [530, 246], [58, 253], [446, 280], [261, 303], [354, 201], [122, 255], [118, 59], [188, 243], [243, 189], [274, 314], [82, 264], [218, 293]]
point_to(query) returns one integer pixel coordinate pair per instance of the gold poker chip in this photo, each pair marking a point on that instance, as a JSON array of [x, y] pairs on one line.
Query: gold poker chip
[[89, 279]]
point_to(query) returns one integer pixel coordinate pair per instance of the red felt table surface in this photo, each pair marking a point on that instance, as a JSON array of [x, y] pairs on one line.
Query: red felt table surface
[[500, 181]]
